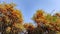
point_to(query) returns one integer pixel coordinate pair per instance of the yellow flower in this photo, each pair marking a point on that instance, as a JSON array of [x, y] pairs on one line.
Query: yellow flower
[[8, 29], [20, 26]]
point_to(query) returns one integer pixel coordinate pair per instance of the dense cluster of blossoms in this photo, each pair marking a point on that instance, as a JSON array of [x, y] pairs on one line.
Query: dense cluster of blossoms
[[10, 19], [48, 21], [11, 22]]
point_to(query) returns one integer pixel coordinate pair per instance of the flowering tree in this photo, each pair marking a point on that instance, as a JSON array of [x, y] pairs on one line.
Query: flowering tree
[[48, 21], [10, 19]]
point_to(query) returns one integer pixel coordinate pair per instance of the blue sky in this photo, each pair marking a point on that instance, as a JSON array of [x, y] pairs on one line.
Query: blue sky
[[29, 7]]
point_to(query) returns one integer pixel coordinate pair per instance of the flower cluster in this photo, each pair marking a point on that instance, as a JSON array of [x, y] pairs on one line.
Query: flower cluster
[[11, 21]]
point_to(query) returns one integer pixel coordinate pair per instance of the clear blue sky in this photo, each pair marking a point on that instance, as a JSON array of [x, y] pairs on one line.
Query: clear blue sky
[[29, 7]]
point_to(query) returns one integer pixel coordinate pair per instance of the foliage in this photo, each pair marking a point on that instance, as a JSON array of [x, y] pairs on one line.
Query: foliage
[[11, 21], [48, 20], [10, 18]]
